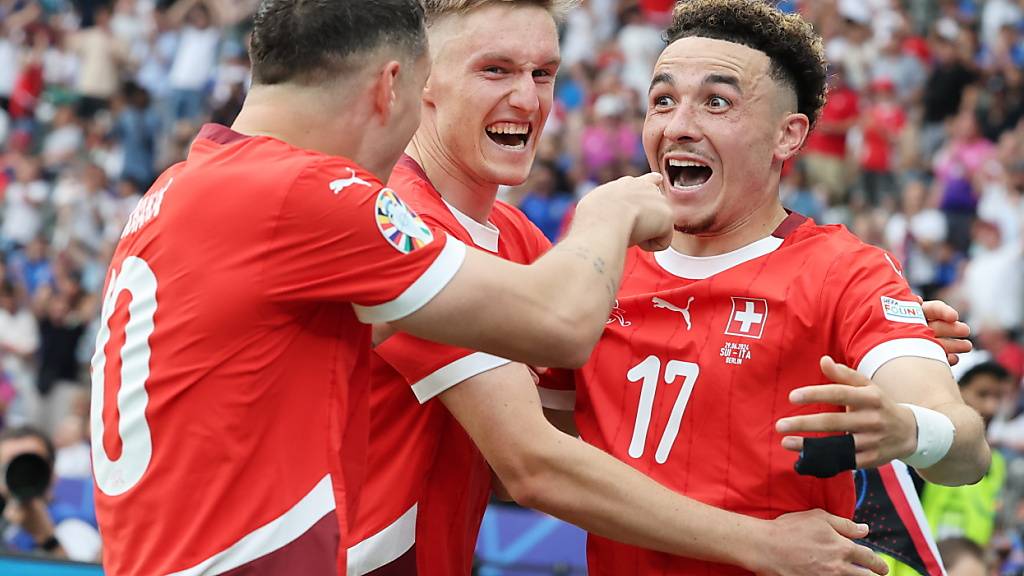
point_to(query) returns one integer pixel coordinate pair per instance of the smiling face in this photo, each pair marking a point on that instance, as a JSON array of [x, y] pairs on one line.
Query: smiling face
[[490, 92], [718, 128]]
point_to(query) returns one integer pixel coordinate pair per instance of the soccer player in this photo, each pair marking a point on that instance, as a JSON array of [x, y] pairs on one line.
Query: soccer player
[[230, 374], [485, 105], [709, 374]]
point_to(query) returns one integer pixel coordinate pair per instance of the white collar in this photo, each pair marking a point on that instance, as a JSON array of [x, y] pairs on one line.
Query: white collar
[[484, 236], [702, 267]]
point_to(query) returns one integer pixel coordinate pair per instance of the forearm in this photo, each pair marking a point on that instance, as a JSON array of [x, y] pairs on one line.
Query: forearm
[[969, 457], [550, 313], [585, 486]]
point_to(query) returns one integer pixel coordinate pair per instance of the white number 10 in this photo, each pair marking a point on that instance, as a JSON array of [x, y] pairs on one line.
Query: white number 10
[[648, 372]]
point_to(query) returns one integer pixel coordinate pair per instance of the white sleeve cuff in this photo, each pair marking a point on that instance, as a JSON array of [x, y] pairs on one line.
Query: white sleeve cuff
[[454, 373], [557, 399], [432, 281], [903, 347]]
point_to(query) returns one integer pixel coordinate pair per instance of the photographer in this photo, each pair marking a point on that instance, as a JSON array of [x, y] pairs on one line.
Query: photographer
[[32, 521]]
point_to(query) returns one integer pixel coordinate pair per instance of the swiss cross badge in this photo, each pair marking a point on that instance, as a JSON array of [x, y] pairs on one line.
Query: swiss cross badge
[[748, 317]]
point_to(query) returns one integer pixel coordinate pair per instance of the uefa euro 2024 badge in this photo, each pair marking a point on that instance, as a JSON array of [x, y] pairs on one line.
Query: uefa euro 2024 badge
[[399, 225]]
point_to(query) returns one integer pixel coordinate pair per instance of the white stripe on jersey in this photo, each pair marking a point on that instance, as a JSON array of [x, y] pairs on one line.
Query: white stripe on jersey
[[462, 369], [899, 348], [385, 546], [432, 281], [272, 536]]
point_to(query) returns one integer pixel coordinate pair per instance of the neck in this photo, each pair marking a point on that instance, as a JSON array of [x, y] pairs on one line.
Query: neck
[[300, 117], [755, 226], [468, 195]]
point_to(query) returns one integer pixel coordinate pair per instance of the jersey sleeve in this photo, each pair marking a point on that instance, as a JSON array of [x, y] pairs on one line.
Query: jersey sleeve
[[876, 316], [341, 236], [557, 388], [431, 368]]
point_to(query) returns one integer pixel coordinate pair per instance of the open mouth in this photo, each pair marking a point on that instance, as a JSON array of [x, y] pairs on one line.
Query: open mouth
[[511, 135], [687, 173]]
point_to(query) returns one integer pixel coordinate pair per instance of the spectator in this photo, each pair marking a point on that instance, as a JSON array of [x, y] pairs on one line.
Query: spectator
[[61, 325], [962, 557], [943, 91], [915, 234], [24, 203], [825, 151], [136, 128], [881, 125], [101, 55], [547, 201], [42, 524], [992, 281], [19, 341], [956, 167], [194, 60]]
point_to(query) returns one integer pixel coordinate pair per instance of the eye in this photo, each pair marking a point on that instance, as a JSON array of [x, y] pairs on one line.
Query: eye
[[662, 101], [543, 75], [718, 103], [495, 70]]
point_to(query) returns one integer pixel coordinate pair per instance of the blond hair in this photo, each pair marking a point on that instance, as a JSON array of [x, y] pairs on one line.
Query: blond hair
[[438, 9]]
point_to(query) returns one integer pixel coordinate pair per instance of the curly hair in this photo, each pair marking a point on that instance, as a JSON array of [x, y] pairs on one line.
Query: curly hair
[[793, 47]]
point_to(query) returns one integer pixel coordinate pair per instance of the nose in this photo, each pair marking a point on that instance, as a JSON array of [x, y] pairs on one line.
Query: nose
[[524, 94], [683, 126]]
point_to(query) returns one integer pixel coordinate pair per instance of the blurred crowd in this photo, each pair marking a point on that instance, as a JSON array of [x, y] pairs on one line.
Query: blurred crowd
[[920, 149]]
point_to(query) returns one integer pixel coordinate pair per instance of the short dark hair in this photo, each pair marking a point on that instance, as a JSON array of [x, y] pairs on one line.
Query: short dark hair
[[31, 432], [993, 369], [794, 48], [952, 550], [315, 41]]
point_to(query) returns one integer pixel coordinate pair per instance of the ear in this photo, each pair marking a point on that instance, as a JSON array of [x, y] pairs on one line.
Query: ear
[[384, 89], [792, 134]]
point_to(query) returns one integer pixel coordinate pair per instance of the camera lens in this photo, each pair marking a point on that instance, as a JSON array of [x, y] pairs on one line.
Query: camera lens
[[27, 476]]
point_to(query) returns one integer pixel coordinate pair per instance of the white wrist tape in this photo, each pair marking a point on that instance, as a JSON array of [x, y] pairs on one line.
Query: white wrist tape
[[935, 434]]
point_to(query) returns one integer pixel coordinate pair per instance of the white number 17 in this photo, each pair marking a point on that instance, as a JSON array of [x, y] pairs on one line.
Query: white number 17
[[648, 372]]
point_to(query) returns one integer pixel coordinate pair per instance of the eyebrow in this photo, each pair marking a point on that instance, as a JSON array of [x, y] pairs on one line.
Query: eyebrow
[[497, 57], [661, 78], [726, 79]]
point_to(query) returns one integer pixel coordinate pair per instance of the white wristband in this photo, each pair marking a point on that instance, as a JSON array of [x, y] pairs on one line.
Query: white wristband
[[935, 434]]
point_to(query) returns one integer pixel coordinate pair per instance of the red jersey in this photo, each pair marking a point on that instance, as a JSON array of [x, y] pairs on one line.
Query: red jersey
[[427, 484], [232, 366], [699, 357]]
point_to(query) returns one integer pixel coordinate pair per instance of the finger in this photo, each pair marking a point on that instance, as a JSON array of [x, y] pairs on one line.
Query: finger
[[944, 329], [657, 244], [842, 374], [651, 178], [845, 527], [867, 559], [939, 310], [793, 443], [827, 422], [953, 359], [956, 345], [839, 394]]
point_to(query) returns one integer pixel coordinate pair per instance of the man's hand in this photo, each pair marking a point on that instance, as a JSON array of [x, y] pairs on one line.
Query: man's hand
[[816, 543], [943, 319], [641, 196], [32, 517], [882, 429]]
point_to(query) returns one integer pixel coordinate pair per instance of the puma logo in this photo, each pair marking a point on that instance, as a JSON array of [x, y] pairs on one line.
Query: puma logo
[[618, 315], [659, 303], [342, 183]]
